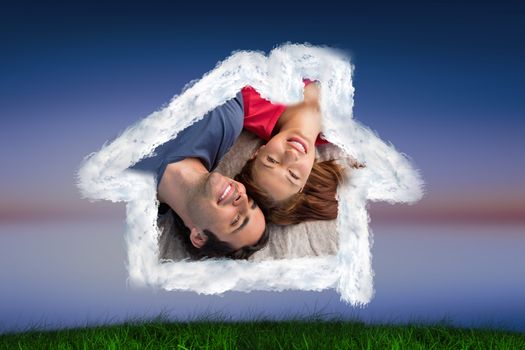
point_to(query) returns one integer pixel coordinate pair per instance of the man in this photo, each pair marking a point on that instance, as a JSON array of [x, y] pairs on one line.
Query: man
[[217, 217]]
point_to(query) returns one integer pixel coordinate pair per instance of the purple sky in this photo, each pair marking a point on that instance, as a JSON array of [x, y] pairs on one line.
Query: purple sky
[[442, 81]]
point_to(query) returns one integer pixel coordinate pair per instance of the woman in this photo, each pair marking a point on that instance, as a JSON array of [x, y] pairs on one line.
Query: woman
[[284, 177]]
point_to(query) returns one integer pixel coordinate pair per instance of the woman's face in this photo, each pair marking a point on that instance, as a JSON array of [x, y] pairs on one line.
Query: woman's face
[[283, 165]]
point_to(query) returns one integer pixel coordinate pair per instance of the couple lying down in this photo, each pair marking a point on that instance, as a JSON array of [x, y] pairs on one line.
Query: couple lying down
[[283, 182]]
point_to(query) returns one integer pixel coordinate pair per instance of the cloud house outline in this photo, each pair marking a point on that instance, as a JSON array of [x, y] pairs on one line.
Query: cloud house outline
[[388, 176]]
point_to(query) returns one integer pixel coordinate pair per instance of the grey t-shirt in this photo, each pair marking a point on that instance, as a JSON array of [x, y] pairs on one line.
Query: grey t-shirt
[[208, 139]]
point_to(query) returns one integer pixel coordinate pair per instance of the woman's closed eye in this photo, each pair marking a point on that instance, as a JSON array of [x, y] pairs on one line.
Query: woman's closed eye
[[294, 175], [271, 160]]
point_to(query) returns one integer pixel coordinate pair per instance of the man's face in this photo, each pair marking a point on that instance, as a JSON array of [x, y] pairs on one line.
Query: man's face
[[221, 206]]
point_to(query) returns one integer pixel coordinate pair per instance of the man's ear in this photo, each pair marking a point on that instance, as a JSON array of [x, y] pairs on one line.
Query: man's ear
[[197, 238]]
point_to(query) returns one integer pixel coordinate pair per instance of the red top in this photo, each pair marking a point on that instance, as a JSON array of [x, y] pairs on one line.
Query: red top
[[260, 115]]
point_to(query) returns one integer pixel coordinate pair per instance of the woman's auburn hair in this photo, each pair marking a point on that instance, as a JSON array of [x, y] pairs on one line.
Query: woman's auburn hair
[[317, 200]]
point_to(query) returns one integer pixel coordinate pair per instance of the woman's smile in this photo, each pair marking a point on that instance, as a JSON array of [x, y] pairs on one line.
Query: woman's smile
[[298, 143]]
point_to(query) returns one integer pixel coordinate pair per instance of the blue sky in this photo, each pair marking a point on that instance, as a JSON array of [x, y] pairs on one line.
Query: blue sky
[[440, 80]]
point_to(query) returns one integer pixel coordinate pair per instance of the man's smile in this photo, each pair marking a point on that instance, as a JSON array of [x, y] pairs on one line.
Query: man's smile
[[226, 193]]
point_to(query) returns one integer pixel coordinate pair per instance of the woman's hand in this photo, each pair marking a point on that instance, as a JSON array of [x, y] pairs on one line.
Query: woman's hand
[[311, 93]]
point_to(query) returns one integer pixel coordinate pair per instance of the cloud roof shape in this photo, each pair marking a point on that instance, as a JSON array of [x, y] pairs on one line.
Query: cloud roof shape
[[388, 176]]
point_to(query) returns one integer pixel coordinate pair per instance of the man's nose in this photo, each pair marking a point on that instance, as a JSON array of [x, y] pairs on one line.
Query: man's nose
[[240, 197]]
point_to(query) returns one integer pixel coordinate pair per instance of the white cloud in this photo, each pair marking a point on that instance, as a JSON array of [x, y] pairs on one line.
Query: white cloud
[[388, 176]]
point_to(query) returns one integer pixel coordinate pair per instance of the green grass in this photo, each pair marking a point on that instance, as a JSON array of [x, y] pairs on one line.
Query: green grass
[[264, 335]]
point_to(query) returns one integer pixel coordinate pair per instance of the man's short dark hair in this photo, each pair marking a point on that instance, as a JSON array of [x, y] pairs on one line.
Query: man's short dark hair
[[215, 248]]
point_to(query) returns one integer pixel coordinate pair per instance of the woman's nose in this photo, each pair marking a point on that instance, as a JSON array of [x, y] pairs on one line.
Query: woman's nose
[[290, 156]]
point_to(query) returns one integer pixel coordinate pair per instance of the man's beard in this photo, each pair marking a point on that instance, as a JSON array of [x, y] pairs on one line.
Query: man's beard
[[201, 188]]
